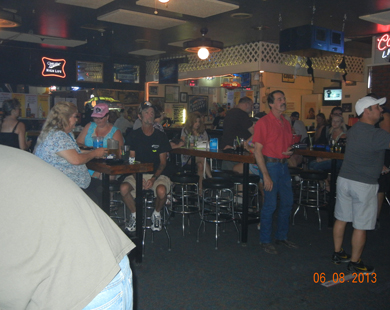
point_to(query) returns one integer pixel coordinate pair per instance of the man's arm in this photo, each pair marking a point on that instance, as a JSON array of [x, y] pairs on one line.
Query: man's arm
[[268, 184], [163, 162]]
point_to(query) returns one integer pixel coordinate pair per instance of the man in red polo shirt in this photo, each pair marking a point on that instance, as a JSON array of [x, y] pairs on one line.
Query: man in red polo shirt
[[273, 146]]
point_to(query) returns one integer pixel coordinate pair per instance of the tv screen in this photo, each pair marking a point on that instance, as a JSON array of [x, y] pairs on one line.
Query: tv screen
[[332, 96]]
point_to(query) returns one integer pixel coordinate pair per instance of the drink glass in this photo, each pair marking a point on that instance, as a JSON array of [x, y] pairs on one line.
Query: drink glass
[[235, 145], [126, 152]]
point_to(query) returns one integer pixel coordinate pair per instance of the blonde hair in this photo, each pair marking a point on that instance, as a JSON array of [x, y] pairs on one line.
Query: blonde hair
[[191, 120], [57, 119], [342, 125]]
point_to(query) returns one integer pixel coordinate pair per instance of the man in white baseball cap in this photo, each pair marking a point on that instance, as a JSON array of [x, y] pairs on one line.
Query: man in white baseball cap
[[357, 183], [367, 102]]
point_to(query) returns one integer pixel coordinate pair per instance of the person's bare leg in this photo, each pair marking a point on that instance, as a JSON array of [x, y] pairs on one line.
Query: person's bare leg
[[338, 234], [126, 189], [161, 198], [358, 242], [200, 166]]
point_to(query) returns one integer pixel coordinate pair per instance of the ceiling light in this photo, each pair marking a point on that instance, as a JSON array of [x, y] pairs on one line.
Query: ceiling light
[[9, 20], [203, 45], [203, 53], [163, 1]]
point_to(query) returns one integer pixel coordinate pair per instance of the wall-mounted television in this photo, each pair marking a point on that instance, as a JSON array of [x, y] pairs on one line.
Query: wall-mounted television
[[332, 96]]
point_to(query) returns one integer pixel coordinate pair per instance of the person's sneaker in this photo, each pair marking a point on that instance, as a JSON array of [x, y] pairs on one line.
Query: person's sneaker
[[340, 257], [156, 221], [269, 248], [287, 243], [360, 267], [131, 225]]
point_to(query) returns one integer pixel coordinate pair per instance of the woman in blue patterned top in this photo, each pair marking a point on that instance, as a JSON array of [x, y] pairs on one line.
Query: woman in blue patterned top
[[56, 145]]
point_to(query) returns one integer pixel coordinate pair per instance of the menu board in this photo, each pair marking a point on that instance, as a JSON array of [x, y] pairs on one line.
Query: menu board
[[89, 71], [198, 104]]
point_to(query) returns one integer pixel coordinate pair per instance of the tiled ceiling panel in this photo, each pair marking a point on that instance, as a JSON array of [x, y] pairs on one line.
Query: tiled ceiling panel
[[146, 52], [382, 18], [138, 19], [203, 8], [92, 4], [39, 39]]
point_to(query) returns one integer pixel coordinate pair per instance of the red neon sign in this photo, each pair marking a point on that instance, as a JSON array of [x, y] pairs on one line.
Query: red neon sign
[[383, 42], [53, 67]]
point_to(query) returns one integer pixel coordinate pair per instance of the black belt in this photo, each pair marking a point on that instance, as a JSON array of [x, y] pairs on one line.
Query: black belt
[[275, 160]]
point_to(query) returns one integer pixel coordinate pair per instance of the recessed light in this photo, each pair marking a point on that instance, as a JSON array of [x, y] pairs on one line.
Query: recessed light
[[241, 15]]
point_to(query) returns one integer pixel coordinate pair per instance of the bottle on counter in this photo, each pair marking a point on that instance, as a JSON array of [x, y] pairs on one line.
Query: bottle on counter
[[28, 110]]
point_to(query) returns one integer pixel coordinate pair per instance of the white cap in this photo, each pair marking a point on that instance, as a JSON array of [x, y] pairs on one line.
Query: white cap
[[367, 102]]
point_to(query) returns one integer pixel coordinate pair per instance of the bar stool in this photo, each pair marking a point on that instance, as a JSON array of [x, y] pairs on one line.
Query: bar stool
[[115, 201], [148, 204], [223, 173], [254, 180], [312, 192], [185, 195], [218, 195], [295, 173]]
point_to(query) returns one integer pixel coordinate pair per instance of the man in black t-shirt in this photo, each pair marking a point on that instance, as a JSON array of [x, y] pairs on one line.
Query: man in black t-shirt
[[237, 124], [147, 145], [218, 120]]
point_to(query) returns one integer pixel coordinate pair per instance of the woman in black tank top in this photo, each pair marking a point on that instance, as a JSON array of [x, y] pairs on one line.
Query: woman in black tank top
[[12, 131]]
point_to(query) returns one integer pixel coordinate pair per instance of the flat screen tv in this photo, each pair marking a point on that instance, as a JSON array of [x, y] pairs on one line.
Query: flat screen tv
[[332, 96]]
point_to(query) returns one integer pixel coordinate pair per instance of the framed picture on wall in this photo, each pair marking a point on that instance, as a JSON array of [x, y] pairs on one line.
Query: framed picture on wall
[[347, 107], [198, 104], [172, 93], [288, 78], [153, 90], [309, 111], [183, 97]]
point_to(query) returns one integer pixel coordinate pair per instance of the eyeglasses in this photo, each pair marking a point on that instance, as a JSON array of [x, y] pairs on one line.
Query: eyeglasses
[[99, 117]]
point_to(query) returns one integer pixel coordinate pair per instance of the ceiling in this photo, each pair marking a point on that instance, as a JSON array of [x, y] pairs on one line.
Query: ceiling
[[113, 27]]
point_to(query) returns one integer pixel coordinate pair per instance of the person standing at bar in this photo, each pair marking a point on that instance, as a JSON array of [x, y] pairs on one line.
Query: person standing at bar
[[237, 124], [273, 140], [357, 183]]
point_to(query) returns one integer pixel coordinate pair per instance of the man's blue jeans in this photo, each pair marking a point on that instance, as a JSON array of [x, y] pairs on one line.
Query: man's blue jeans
[[118, 294], [281, 179]]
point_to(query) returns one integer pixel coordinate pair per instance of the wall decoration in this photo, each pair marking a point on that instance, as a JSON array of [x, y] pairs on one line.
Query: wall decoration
[[183, 97], [168, 71], [89, 71], [198, 104], [178, 113], [158, 101], [204, 90], [153, 90], [288, 78], [347, 107], [172, 93], [309, 110], [124, 73]]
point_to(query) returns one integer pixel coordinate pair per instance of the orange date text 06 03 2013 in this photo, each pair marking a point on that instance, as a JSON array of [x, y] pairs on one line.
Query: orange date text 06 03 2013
[[340, 277]]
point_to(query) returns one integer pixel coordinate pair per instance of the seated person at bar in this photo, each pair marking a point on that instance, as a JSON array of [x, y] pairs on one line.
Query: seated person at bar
[[147, 145], [237, 124], [13, 132], [59, 251], [100, 127], [218, 120], [298, 126], [194, 131], [337, 135], [122, 123], [56, 145], [320, 136]]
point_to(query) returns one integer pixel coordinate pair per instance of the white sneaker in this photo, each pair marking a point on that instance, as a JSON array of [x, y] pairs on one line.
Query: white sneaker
[[156, 221], [131, 225]]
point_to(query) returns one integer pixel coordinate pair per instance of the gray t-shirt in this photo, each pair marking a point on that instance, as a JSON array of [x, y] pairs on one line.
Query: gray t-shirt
[[58, 248], [364, 153]]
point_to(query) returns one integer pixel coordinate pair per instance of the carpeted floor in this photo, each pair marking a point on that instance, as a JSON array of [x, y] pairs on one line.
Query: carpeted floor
[[196, 276]]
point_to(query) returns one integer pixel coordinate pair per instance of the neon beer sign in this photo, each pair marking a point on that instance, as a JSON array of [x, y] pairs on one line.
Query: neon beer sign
[[53, 67]]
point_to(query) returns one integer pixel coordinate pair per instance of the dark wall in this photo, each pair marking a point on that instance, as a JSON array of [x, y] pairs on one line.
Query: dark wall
[[381, 81], [24, 66]]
